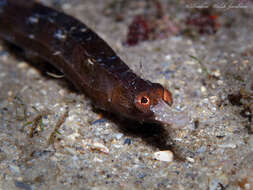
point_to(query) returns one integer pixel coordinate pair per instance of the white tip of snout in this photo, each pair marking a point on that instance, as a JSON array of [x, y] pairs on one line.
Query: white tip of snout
[[164, 114]]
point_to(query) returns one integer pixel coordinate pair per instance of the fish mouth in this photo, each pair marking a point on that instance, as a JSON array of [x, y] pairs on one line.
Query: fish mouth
[[165, 115]]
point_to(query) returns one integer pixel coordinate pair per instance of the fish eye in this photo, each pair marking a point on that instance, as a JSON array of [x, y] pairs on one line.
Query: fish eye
[[145, 100]]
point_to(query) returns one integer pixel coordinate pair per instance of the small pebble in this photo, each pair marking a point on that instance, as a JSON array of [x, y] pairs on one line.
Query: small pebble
[[100, 147], [10, 93], [190, 159], [166, 156], [127, 141], [168, 57], [216, 73], [23, 65], [72, 137], [227, 145], [220, 82], [247, 186], [202, 149], [33, 72], [21, 185], [142, 175], [97, 160], [203, 89], [66, 6], [98, 121], [118, 136], [15, 169], [190, 62]]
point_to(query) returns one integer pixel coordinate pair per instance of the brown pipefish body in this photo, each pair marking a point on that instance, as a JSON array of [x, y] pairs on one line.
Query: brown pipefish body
[[85, 59]]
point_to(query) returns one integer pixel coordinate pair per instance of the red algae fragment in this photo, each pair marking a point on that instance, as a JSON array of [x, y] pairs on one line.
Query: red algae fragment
[[138, 31], [148, 26], [204, 21]]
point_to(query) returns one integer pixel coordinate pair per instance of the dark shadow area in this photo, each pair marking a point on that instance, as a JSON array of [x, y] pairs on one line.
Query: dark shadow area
[[153, 134]]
